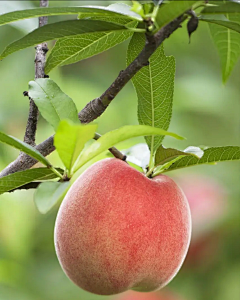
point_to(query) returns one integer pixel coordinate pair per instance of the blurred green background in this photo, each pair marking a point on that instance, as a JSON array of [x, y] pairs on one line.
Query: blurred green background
[[205, 111]]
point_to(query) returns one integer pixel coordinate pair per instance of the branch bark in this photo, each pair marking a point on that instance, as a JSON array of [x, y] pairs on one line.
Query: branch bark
[[40, 59], [97, 106], [115, 152]]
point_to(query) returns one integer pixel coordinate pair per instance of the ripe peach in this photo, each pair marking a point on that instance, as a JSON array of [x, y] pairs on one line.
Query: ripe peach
[[116, 229]]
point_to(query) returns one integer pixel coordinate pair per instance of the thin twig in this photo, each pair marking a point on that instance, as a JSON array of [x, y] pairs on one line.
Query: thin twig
[[40, 59], [115, 152], [97, 106]]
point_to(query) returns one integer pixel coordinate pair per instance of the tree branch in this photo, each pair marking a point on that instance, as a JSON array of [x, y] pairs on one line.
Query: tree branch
[[40, 59], [115, 152], [97, 106]]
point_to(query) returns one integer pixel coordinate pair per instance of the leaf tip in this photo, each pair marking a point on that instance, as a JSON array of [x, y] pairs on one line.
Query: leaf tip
[[179, 137]]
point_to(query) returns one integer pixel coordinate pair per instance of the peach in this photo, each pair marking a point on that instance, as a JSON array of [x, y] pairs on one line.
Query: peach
[[116, 229]]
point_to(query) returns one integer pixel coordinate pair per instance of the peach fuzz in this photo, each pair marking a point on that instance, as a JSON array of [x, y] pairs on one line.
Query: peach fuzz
[[116, 229]]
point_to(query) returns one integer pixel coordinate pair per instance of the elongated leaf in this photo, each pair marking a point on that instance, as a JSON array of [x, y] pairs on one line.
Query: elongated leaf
[[70, 139], [21, 178], [161, 168], [53, 104], [225, 23], [164, 155], [113, 137], [154, 85], [172, 10], [60, 30], [124, 9], [48, 194], [119, 19], [25, 25], [138, 8], [72, 49], [211, 155], [113, 11], [107, 18], [12, 141], [227, 42], [229, 7]]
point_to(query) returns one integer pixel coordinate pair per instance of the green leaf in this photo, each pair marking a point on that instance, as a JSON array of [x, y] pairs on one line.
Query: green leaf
[[211, 155], [164, 155], [138, 8], [113, 137], [107, 18], [48, 194], [154, 85], [124, 10], [25, 25], [229, 7], [225, 23], [70, 139], [172, 10], [15, 180], [60, 30], [112, 10], [72, 49], [150, 7], [160, 169], [12, 141], [227, 42], [53, 104], [37, 12], [117, 19]]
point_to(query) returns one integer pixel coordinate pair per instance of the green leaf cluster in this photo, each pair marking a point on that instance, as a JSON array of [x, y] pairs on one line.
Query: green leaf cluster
[[99, 28], [96, 30], [75, 48], [70, 138]]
